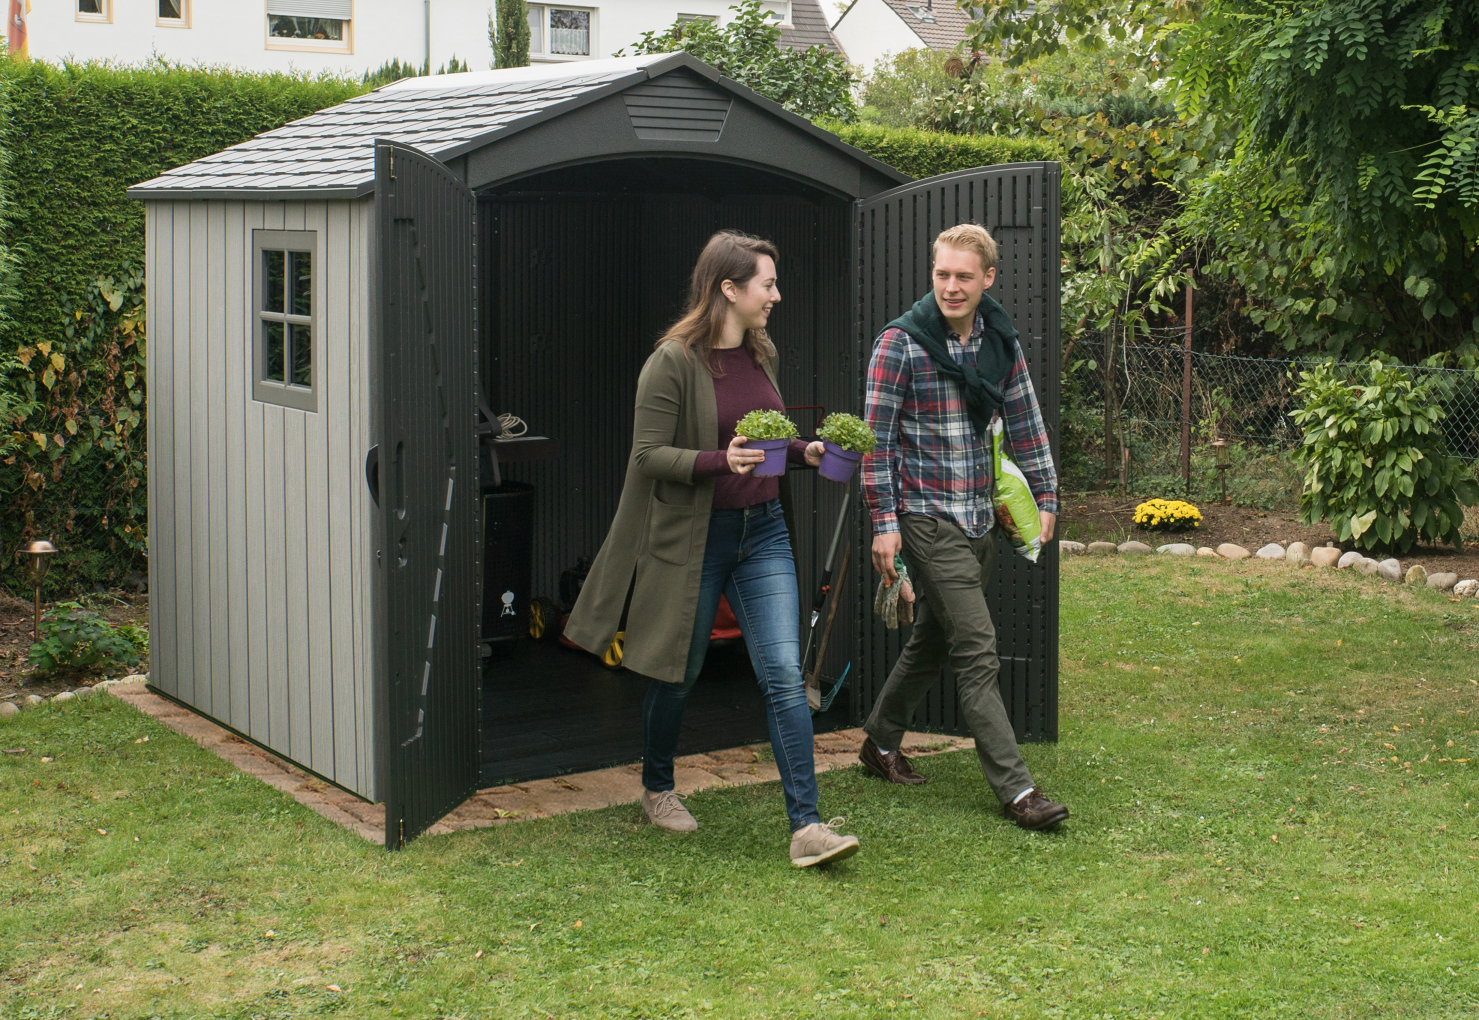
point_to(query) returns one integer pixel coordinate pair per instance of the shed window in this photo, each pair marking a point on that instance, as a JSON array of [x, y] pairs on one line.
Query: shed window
[[284, 287], [307, 24], [94, 10]]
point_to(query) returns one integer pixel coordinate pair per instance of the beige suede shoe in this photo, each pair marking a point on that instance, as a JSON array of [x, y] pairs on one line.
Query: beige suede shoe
[[666, 811], [817, 844]]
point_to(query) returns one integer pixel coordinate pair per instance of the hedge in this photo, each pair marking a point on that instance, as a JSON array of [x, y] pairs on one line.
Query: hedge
[[72, 346], [926, 153]]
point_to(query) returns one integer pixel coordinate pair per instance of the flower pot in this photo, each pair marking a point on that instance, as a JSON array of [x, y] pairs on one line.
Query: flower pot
[[775, 456], [837, 464]]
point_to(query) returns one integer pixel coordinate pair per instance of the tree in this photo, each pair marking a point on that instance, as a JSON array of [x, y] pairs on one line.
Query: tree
[[508, 32], [813, 82]]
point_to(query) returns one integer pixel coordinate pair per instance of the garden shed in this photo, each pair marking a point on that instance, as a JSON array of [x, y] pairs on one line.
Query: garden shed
[[332, 302]]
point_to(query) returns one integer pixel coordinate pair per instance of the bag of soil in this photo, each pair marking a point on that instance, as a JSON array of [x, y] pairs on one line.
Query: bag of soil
[[1016, 510]]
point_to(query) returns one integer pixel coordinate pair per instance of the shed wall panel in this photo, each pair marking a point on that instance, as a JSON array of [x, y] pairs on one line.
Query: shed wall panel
[[257, 511]]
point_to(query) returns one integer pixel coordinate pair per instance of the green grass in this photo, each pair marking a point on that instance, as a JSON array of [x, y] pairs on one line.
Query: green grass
[[1262, 827]]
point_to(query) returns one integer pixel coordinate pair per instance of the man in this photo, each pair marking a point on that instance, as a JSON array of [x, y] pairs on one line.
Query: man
[[939, 375]]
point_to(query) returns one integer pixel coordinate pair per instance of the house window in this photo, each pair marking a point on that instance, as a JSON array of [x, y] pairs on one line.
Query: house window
[[174, 13], [307, 24], [561, 32], [95, 10], [697, 17], [285, 288]]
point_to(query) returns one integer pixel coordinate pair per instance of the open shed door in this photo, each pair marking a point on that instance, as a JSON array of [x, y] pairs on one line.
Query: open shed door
[[428, 544], [1019, 204]]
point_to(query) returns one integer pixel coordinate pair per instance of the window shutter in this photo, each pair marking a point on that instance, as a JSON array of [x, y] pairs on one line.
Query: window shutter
[[338, 10]]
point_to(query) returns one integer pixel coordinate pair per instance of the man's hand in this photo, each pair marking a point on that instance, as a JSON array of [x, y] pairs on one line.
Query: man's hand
[[1049, 523], [885, 548], [814, 451]]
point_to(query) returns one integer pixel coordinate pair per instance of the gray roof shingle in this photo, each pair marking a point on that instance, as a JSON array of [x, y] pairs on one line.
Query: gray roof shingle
[[947, 30], [808, 28]]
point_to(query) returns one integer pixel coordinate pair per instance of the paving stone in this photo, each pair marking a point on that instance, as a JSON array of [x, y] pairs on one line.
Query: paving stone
[[1070, 548], [1133, 548], [1177, 549], [1442, 580], [1324, 556], [1103, 549], [1390, 569], [1229, 551]]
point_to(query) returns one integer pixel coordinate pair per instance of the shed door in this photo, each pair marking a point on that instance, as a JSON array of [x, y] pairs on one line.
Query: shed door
[[1018, 203], [428, 544]]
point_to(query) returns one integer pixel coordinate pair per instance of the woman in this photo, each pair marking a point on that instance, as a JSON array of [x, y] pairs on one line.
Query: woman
[[695, 523]]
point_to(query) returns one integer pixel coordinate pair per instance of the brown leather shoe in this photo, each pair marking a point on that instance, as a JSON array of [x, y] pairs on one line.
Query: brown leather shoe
[[892, 767], [1035, 812]]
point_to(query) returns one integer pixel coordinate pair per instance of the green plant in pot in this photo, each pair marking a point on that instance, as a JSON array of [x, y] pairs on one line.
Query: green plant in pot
[[771, 432], [847, 439]]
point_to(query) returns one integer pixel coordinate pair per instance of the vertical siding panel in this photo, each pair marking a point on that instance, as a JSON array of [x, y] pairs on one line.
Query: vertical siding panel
[[295, 553], [236, 401], [275, 480], [318, 474], [344, 475], [185, 671], [159, 241], [362, 243], [200, 491], [211, 256], [258, 665]]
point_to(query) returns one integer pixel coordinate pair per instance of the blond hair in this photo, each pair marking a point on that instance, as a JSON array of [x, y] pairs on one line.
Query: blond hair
[[729, 255], [969, 237]]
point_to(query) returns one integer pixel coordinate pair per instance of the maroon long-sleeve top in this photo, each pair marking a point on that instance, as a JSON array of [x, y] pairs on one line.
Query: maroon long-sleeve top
[[741, 387]]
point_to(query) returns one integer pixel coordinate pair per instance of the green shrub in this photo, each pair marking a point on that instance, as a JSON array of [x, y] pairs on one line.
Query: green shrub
[[508, 33], [765, 425], [1376, 466], [849, 432], [78, 640], [926, 153], [901, 89]]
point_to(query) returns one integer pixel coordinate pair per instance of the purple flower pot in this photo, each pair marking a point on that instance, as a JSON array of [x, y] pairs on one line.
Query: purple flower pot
[[837, 464], [775, 456]]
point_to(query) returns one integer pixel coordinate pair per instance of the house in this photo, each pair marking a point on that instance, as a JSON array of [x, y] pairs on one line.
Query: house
[[352, 37], [870, 30]]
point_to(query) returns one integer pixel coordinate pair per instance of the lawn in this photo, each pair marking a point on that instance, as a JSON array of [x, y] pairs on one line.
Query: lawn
[[1272, 774]]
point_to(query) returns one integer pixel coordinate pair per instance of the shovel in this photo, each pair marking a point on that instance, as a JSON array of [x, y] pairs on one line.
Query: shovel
[[813, 682]]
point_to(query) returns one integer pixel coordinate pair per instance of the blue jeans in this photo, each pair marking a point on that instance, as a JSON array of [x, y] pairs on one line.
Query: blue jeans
[[748, 560]]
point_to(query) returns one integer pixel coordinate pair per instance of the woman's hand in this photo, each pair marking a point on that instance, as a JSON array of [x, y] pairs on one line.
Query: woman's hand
[[742, 461], [814, 452]]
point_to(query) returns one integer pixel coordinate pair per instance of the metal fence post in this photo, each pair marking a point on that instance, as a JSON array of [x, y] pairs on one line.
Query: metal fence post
[[1186, 398]]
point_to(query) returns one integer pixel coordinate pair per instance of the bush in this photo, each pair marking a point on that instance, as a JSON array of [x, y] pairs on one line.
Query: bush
[[926, 153], [765, 425], [79, 640], [849, 432], [1376, 466], [901, 91], [1167, 515]]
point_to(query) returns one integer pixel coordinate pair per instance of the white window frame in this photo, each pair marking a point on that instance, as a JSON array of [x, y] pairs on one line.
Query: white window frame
[[273, 391], [545, 54], [183, 21], [105, 18], [345, 45]]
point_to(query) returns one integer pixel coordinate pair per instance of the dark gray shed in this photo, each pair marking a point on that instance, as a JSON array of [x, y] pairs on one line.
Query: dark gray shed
[[329, 300]]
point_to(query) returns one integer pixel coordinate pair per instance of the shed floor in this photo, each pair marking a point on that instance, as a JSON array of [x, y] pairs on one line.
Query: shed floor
[[548, 710]]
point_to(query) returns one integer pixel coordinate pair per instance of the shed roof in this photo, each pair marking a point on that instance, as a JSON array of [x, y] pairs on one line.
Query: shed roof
[[330, 154]]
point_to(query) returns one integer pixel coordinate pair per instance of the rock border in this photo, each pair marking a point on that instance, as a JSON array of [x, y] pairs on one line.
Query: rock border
[[1296, 554]]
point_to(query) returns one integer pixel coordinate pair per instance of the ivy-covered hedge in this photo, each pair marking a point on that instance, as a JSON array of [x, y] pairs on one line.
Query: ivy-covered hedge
[[72, 339], [926, 153]]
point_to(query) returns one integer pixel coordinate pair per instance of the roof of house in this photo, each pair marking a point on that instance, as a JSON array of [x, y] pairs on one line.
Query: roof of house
[[808, 28], [330, 154], [939, 23]]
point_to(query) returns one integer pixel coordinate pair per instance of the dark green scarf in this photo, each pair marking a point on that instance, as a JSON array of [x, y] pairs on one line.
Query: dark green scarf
[[983, 381]]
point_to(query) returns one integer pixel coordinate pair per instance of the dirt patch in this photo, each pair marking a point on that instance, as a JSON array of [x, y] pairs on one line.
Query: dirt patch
[[1110, 518], [16, 619]]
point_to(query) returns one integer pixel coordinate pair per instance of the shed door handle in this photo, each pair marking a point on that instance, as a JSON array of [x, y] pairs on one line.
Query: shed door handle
[[372, 473]]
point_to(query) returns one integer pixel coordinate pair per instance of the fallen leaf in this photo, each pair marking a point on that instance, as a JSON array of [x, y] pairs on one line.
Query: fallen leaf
[[579, 923], [478, 955], [335, 988], [102, 832], [1274, 838], [270, 933]]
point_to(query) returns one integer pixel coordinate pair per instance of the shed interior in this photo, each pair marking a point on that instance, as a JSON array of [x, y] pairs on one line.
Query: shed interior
[[581, 269]]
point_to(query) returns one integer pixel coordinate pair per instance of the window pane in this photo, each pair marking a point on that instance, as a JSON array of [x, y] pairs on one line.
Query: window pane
[[272, 333], [302, 283], [302, 355], [171, 9], [570, 32], [289, 26], [272, 281], [536, 30], [89, 6]]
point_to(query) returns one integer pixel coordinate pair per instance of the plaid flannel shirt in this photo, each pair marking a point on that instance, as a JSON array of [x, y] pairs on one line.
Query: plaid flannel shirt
[[929, 459]]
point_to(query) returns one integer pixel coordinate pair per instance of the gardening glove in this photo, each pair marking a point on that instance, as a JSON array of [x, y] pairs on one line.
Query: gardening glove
[[890, 597]]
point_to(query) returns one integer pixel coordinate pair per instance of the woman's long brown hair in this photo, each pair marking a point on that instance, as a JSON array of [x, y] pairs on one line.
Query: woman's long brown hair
[[729, 255]]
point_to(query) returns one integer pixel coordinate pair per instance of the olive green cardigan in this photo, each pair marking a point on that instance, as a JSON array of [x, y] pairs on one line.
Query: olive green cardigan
[[655, 548]]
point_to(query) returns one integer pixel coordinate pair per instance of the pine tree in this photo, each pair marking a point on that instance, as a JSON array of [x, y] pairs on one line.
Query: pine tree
[[508, 31]]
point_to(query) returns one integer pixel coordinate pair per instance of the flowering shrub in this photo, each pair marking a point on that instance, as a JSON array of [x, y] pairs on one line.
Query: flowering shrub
[[1167, 515]]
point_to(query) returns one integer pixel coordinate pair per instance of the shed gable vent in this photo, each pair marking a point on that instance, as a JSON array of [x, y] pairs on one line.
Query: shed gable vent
[[677, 108]]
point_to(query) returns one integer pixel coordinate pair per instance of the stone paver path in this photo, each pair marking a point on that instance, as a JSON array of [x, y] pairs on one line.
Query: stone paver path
[[498, 805]]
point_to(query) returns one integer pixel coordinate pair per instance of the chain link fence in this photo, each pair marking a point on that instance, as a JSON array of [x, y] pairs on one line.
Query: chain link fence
[[1130, 395]]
